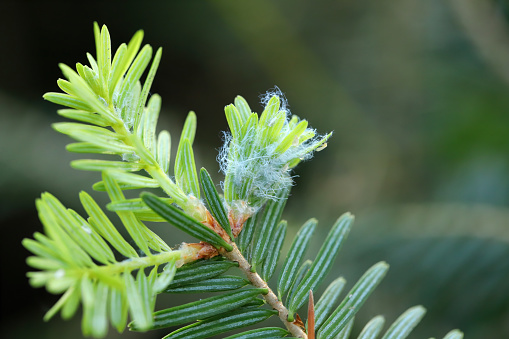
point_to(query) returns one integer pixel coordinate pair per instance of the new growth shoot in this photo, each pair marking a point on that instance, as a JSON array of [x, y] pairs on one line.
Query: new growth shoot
[[260, 151]]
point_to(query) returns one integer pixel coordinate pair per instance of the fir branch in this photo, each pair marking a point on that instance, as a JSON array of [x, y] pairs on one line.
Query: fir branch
[[270, 297], [242, 228]]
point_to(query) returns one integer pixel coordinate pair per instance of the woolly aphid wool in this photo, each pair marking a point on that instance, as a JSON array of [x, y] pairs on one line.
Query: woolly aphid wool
[[258, 155]]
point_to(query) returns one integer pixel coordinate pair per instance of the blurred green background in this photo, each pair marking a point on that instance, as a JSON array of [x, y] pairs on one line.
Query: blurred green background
[[416, 93]]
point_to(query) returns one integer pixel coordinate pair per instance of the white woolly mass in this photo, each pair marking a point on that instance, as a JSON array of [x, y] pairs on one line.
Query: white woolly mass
[[257, 171], [283, 102]]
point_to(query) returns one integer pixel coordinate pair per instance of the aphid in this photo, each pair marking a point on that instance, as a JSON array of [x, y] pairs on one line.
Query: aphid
[[273, 120], [324, 145]]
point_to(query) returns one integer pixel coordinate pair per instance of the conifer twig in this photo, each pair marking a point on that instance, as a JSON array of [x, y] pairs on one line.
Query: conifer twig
[[270, 297]]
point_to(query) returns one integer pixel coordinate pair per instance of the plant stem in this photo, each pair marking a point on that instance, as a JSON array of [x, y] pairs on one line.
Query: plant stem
[[151, 167], [142, 262], [270, 297], [131, 264]]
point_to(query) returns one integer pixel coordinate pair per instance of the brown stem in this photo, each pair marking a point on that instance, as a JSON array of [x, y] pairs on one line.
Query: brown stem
[[270, 297]]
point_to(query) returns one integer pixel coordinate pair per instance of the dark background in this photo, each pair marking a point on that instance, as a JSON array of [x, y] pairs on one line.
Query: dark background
[[416, 93]]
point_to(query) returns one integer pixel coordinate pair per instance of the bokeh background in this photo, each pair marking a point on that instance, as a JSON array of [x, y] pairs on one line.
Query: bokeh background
[[416, 92]]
